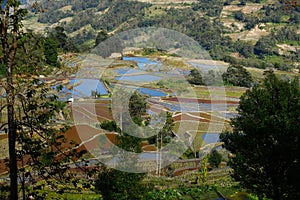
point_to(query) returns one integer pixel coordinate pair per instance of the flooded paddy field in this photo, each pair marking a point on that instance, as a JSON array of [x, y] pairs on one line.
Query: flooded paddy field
[[200, 110]]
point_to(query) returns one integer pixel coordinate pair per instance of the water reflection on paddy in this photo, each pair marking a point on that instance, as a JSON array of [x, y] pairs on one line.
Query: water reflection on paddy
[[151, 92], [138, 78], [211, 137], [128, 71], [84, 87], [144, 63]]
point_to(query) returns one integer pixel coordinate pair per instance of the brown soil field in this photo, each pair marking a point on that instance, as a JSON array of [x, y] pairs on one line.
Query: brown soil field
[[3, 136], [95, 112], [85, 136], [149, 148], [190, 100]]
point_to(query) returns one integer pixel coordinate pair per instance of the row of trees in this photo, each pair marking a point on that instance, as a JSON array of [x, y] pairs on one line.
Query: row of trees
[[235, 75]]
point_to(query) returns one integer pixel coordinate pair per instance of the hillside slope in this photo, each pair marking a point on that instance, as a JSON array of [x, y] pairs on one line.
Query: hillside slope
[[254, 33]]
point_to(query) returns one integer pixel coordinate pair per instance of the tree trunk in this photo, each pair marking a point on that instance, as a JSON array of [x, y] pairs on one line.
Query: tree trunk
[[13, 169], [9, 49]]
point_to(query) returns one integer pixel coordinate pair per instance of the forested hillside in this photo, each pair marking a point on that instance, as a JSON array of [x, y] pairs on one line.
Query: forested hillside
[[254, 33]]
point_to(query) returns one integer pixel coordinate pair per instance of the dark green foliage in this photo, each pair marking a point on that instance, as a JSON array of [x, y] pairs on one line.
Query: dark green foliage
[[63, 41], [50, 52], [295, 18], [251, 22], [227, 2], [244, 48], [212, 8], [286, 34], [199, 192], [265, 139], [110, 126], [237, 75], [101, 36], [242, 3], [33, 61], [238, 15], [137, 105], [84, 35], [275, 12], [115, 184], [4, 192], [265, 46], [2, 69], [195, 77], [215, 159]]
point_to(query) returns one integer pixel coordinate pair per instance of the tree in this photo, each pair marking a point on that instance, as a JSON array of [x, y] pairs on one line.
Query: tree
[[265, 139], [244, 48], [195, 77], [137, 105], [117, 184], [101, 36], [215, 159], [50, 52], [58, 34], [35, 115], [265, 46], [11, 16], [237, 75]]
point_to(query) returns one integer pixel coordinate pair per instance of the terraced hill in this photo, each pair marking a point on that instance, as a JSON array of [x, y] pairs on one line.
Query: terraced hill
[[254, 33]]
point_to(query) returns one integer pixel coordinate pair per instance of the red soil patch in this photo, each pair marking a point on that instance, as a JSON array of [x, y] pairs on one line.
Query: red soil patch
[[190, 100], [85, 136], [144, 143], [183, 170], [149, 148]]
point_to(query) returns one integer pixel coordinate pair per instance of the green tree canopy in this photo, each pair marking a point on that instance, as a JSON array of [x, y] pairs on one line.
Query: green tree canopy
[[137, 107], [50, 52], [265, 139], [215, 159], [195, 77], [237, 75], [101, 36]]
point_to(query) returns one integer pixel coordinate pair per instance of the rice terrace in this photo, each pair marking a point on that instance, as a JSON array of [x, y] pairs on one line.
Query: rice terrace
[[149, 99]]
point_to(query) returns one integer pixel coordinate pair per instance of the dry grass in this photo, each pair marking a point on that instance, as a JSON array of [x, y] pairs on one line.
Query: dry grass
[[252, 35], [67, 20], [66, 8]]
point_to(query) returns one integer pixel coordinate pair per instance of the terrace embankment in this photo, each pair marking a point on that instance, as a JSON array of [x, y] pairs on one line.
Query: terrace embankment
[[79, 137], [192, 100]]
